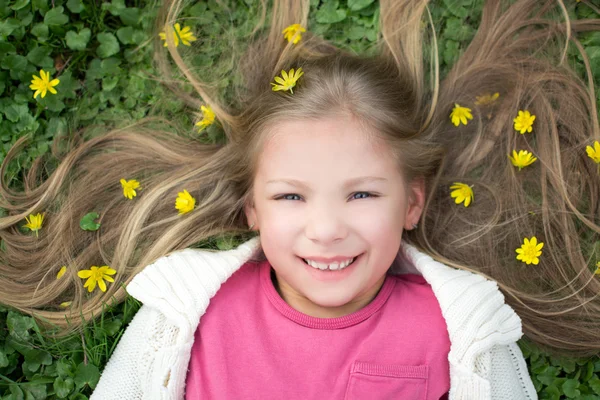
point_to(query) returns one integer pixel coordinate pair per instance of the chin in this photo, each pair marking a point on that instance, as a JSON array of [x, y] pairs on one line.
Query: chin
[[332, 301]]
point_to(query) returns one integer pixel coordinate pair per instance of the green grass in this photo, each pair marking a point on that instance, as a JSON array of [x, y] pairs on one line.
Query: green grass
[[102, 54]]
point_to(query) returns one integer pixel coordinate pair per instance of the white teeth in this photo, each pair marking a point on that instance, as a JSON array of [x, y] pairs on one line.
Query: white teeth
[[332, 266]]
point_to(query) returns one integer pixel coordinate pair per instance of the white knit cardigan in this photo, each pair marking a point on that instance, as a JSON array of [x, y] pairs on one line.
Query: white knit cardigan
[[151, 359]]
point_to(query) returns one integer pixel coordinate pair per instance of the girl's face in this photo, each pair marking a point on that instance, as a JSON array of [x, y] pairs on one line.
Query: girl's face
[[327, 215]]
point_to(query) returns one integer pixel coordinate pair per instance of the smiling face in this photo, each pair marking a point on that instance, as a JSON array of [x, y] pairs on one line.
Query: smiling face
[[329, 215]]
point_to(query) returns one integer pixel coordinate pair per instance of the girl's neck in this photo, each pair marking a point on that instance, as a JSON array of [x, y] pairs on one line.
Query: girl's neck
[[305, 306]]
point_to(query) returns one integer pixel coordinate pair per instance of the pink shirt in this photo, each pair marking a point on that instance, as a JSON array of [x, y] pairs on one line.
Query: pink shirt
[[251, 344]]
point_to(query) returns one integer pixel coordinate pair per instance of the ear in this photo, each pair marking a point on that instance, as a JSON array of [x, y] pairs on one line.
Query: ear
[[416, 202], [250, 212]]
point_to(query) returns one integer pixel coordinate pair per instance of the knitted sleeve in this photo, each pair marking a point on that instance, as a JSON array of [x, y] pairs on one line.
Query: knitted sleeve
[[121, 378], [508, 375]]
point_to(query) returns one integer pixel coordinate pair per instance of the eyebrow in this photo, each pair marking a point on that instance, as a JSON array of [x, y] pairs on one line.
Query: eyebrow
[[349, 183]]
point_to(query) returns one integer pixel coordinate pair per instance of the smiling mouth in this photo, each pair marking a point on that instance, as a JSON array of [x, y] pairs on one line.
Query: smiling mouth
[[319, 266]]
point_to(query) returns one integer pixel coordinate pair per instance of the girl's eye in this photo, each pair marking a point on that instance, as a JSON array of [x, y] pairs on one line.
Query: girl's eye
[[286, 196]]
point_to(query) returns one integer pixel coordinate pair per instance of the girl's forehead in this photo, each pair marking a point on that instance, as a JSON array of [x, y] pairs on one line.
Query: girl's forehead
[[330, 145], [337, 134]]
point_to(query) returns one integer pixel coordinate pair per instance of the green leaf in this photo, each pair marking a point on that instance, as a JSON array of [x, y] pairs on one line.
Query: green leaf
[[6, 49], [16, 393], [25, 17], [109, 83], [3, 359], [19, 325], [198, 9], [40, 30], [19, 4], [75, 6], [63, 387], [34, 358], [41, 5], [14, 63], [36, 391], [571, 388], [56, 127], [330, 14], [16, 112], [8, 26], [111, 66], [87, 222], [130, 16], [78, 41], [115, 7], [594, 384], [68, 85], [125, 35], [112, 327], [56, 16], [359, 4], [356, 32], [86, 375], [456, 29], [52, 101], [457, 7], [108, 45], [451, 52], [39, 56]]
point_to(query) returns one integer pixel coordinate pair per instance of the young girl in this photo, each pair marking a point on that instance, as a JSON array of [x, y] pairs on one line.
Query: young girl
[[392, 220]]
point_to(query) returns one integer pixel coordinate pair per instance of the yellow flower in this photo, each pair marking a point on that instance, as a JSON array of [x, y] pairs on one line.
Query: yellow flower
[[287, 80], [597, 272], [529, 251], [460, 114], [129, 188], [184, 34], [293, 32], [594, 153], [184, 202], [61, 272], [42, 84], [462, 193], [34, 222], [66, 304], [97, 275], [486, 99], [524, 122], [208, 118], [523, 159]]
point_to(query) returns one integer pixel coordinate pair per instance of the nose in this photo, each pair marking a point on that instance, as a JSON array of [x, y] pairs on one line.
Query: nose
[[325, 224]]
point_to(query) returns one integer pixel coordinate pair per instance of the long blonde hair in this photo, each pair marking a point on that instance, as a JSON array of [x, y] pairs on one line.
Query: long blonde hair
[[518, 51]]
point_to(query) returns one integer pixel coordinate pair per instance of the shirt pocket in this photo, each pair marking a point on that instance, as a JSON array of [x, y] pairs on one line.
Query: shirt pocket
[[387, 381]]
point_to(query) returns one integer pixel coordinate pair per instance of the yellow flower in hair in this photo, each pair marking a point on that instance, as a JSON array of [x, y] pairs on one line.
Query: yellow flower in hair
[[460, 114], [523, 159], [293, 32], [184, 202], [34, 222], [462, 193], [42, 84], [129, 188], [529, 251], [287, 80], [486, 99], [66, 304], [524, 122], [185, 34], [208, 118], [96, 276], [61, 272], [594, 153]]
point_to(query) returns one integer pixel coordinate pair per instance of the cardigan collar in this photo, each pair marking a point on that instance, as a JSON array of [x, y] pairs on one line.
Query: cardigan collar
[[181, 284]]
